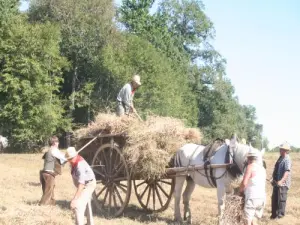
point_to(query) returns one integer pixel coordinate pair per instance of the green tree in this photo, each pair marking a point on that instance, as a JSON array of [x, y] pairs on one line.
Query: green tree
[[164, 91], [86, 27], [30, 74]]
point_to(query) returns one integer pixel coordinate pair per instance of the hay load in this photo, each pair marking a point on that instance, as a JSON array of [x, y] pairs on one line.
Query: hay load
[[234, 210], [150, 144]]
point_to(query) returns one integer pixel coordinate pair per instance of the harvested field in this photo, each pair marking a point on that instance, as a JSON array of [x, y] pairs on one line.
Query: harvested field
[[20, 192]]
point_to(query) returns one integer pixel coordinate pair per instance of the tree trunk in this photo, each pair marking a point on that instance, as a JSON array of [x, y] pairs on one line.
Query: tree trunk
[[74, 88]]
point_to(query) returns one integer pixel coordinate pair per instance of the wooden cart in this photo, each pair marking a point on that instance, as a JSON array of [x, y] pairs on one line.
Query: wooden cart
[[115, 178]]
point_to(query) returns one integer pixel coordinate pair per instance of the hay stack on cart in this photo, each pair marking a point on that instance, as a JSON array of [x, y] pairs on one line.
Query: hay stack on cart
[[125, 150]]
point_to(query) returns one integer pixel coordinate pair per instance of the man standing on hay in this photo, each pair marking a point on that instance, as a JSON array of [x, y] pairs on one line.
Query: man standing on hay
[[125, 96], [53, 159], [254, 188], [281, 181], [85, 182]]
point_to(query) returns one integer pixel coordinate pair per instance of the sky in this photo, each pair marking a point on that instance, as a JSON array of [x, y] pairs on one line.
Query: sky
[[261, 42]]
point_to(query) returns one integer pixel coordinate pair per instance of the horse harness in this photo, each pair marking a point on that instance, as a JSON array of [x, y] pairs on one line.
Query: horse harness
[[233, 168]]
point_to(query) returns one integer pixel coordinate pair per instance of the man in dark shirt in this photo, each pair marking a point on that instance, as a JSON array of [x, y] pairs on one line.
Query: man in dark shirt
[[281, 182], [53, 159]]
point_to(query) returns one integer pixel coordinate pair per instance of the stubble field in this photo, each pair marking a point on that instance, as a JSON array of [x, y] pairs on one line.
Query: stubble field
[[20, 191]]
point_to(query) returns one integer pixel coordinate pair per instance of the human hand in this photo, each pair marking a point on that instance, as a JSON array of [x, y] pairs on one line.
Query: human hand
[[73, 204], [241, 191], [280, 183]]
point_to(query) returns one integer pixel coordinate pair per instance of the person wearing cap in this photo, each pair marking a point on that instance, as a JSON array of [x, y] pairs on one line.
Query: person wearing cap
[[85, 182], [253, 187], [125, 96], [281, 181], [53, 159]]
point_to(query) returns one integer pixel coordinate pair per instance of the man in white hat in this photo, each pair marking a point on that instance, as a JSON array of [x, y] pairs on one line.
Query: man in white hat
[[281, 181], [254, 188], [125, 96], [84, 179]]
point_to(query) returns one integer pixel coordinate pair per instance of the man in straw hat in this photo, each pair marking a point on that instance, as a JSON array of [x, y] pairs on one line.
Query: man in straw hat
[[254, 188], [125, 96], [281, 181], [53, 159], [84, 179]]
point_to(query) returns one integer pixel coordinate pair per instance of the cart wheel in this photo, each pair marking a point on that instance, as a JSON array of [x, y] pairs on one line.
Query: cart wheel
[[154, 195], [113, 189]]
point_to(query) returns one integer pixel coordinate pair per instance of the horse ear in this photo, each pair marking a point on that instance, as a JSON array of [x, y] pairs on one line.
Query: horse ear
[[233, 141]]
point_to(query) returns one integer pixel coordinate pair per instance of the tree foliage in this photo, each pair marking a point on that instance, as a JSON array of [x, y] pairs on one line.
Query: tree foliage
[[30, 75], [63, 61]]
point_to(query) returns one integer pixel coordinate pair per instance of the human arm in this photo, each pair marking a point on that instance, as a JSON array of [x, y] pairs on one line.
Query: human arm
[[79, 181], [126, 95], [284, 178], [287, 169], [246, 178], [79, 190], [59, 155]]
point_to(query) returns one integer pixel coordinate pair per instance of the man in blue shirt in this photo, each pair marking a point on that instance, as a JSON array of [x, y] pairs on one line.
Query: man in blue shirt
[[281, 182]]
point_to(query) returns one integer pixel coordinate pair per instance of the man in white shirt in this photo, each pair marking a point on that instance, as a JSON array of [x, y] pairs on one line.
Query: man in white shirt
[[53, 159], [85, 182], [254, 188], [125, 96]]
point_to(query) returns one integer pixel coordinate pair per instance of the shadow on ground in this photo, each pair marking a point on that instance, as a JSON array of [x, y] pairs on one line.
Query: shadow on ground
[[34, 184], [63, 204], [137, 214]]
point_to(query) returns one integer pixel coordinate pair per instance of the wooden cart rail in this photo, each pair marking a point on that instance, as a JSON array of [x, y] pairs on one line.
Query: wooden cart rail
[[174, 170]]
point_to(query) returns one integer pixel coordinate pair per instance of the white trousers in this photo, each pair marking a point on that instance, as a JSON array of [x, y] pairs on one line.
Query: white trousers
[[83, 204]]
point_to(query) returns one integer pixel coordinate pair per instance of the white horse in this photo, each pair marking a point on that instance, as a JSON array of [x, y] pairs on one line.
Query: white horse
[[192, 155], [3, 143]]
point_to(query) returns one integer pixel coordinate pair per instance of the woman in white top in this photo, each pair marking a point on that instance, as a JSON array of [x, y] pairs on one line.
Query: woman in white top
[[254, 188]]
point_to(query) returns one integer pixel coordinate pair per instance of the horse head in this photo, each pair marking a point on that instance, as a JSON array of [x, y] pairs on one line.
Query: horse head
[[239, 153]]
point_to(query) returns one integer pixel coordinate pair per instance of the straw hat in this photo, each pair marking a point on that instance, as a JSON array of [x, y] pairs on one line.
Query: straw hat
[[71, 153], [252, 153], [285, 146], [136, 79]]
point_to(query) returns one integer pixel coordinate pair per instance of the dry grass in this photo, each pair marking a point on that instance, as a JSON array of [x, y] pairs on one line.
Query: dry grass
[[20, 192], [150, 144], [233, 213]]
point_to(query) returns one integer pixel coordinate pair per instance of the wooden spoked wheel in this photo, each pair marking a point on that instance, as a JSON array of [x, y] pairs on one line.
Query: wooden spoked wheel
[[113, 189], [154, 195]]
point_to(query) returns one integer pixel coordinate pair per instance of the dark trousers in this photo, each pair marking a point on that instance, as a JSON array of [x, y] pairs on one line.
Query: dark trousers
[[279, 198], [48, 183]]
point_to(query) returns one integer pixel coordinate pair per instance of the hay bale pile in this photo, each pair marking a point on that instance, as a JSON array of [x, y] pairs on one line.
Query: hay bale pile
[[150, 144], [234, 210]]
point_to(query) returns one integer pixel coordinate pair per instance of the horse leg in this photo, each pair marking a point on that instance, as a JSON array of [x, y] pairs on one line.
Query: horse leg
[[186, 199], [179, 181], [221, 199]]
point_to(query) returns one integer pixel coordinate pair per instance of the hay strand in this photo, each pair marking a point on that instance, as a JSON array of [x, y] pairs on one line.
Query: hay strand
[[150, 144], [234, 210]]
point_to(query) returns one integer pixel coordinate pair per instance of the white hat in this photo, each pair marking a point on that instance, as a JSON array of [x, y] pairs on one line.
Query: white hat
[[136, 79], [285, 146], [253, 153], [71, 153]]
